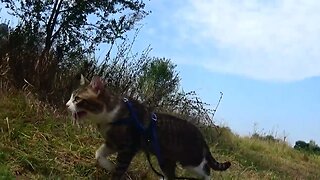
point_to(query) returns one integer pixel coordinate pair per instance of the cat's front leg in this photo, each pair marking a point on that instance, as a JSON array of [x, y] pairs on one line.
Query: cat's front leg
[[101, 156], [124, 159]]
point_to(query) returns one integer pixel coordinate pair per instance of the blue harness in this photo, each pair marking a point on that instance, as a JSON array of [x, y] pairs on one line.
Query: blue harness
[[149, 133]]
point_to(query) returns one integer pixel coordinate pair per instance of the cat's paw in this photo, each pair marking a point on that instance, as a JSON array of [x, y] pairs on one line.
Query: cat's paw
[[105, 163]]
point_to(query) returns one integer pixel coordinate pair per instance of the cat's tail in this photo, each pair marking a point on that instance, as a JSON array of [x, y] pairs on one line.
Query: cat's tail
[[214, 164]]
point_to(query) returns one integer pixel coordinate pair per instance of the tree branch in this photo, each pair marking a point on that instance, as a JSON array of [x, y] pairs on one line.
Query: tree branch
[[51, 24]]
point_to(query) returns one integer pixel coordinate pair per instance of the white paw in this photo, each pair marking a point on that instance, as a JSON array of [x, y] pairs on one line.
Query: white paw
[[101, 155], [105, 163]]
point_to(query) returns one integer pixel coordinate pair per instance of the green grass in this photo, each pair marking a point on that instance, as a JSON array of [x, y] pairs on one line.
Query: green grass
[[38, 143]]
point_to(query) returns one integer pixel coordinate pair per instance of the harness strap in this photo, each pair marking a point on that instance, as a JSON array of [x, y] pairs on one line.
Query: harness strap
[[148, 133], [144, 131], [134, 117], [154, 139]]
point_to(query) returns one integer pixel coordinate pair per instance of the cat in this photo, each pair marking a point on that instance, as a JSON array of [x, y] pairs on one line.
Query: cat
[[179, 141]]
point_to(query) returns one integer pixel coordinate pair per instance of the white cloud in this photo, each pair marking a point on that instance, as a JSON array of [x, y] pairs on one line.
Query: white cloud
[[276, 40]]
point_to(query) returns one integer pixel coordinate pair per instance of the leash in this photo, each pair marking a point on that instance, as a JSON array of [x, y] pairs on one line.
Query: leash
[[161, 175], [152, 130]]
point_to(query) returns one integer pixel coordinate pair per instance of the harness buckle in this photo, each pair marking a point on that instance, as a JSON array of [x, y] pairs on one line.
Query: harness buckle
[[154, 117], [125, 100]]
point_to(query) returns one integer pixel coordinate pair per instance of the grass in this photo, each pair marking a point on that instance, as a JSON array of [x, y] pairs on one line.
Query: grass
[[37, 142]]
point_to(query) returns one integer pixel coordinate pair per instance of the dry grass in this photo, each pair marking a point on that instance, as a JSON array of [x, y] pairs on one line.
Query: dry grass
[[37, 142]]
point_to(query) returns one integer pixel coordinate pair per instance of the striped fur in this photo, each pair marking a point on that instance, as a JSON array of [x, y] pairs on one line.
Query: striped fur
[[179, 140]]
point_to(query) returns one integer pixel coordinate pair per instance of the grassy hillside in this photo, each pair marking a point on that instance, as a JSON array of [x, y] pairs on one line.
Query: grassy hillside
[[37, 142]]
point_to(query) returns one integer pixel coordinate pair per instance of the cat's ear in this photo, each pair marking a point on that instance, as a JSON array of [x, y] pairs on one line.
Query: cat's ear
[[97, 84], [83, 80]]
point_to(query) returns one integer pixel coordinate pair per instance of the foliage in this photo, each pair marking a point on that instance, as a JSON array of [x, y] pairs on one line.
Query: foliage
[[4, 32], [38, 142], [54, 43], [54, 39], [311, 147], [158, 81], [268, 137], [154, 81], [69, 23]]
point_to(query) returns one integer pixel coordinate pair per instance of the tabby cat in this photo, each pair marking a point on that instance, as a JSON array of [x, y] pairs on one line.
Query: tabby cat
[[179, 141]]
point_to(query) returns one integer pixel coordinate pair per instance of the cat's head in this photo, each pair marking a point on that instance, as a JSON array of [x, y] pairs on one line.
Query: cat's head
[[88, 101]]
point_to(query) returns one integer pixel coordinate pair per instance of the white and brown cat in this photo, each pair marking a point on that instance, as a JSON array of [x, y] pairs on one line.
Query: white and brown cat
[[179, 141]]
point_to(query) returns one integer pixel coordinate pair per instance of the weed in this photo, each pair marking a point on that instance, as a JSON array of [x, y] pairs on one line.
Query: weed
[[36, 142]]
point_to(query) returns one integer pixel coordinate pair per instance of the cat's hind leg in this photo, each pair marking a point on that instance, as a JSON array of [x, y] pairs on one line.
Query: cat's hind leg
[[203, 169], [169, 169]]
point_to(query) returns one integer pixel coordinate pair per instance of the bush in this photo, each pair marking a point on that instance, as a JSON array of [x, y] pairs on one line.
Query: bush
[[310, 147], [47, 58]]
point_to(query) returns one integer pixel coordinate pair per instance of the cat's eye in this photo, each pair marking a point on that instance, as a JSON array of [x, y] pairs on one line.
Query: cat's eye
[[77, 98]]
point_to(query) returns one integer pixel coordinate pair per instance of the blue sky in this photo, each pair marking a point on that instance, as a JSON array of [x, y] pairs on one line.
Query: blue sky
[[263, 55]]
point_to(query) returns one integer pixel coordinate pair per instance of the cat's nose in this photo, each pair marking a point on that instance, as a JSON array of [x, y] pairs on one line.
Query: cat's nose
[[68, 103]]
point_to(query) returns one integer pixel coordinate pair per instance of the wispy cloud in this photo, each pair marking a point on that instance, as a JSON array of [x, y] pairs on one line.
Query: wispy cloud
[[276, 40]]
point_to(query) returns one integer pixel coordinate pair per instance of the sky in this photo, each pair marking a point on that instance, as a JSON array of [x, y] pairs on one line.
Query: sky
[[263, 55]]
